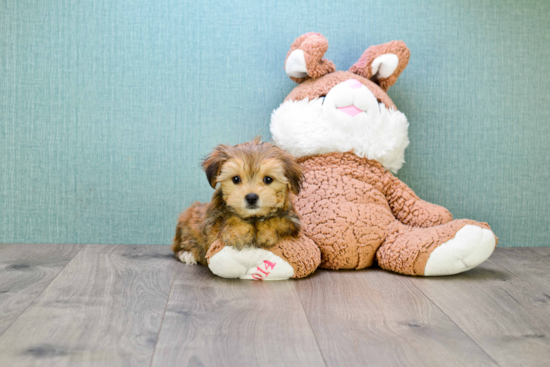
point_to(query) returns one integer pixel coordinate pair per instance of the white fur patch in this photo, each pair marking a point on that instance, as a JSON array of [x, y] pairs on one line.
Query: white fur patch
[[186, 257], [305, 128], [471, 246]]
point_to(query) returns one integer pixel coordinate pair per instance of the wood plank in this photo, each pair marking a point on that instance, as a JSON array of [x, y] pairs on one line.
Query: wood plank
[[544, 253], [529, 264], [211, 321], [104, 309], [498, 309], [25, 270], [379, 318]]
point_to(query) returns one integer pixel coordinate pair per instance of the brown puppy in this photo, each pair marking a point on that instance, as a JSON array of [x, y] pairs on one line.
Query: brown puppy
[[251, 207]]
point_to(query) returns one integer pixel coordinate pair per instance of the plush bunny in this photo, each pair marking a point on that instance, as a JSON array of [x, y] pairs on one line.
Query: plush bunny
[[348, 136]]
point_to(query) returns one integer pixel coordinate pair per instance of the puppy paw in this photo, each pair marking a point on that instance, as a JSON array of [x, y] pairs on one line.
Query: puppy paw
[[271, 231], [238, 236], [186, 257], [266, 238]]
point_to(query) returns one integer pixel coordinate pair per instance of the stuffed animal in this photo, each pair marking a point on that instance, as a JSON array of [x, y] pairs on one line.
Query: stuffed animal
[[349, 137], [290, 258]]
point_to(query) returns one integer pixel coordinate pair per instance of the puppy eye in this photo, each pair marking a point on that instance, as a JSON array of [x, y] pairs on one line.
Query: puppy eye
[[236, 180], [268, 180]]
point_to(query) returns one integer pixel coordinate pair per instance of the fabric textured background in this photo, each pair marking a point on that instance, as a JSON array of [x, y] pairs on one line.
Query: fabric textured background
[[106, 107]]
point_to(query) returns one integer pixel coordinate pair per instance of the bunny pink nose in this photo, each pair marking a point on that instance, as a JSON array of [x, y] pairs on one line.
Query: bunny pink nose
[[354, 84]]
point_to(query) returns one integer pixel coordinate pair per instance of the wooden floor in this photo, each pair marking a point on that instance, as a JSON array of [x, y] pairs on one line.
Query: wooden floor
[[96, 305]]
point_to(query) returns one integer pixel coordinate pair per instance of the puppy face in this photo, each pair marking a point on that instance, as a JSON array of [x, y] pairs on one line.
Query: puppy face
[[255, 178], [253, 191]]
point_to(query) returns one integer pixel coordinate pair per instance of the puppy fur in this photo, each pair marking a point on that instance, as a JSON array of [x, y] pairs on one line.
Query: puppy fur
[[252, 205]]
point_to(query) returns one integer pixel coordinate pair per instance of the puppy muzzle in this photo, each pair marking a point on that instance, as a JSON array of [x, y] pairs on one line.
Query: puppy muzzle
[[252, 200]]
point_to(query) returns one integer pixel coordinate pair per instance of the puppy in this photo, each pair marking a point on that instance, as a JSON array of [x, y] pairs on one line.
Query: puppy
[[251, 207]]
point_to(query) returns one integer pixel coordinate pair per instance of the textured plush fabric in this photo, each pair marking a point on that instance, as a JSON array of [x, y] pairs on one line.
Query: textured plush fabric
[[302, 254], [107, 107], [304, 128], [394, 47], [314, 88], [314, 46], [216, 247], [355, 210], [351, 207], [407, 249]]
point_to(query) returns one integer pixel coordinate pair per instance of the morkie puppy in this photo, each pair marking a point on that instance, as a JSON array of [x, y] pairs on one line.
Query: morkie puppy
[[251, 207]]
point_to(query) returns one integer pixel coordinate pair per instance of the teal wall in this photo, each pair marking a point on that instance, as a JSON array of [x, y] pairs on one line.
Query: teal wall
[[106, 107]]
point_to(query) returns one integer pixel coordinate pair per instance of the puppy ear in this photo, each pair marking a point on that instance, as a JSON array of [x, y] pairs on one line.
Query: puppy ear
[[305, 58], [293, 172], [383, 63], [213, 163]]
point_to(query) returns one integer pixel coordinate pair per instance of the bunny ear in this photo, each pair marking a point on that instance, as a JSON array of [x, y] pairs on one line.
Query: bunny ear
[[305, 58], [383, 63]]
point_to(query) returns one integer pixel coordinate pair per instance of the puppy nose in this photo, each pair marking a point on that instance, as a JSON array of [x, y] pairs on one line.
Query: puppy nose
[[251, 198]]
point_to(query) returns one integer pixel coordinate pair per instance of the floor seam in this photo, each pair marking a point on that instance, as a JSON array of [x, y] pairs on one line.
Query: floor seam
[[310, 327], [42, 291], [454, 323], [163, 314]]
